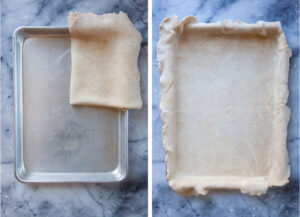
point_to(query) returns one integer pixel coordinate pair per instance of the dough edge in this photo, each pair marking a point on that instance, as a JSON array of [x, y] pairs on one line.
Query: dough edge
[[280, 170]]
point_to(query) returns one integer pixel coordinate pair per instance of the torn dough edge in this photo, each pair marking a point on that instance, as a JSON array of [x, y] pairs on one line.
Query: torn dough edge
[[279, 172]]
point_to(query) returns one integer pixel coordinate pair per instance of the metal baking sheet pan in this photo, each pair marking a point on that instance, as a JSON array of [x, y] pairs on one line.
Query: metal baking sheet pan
[[55, 141]]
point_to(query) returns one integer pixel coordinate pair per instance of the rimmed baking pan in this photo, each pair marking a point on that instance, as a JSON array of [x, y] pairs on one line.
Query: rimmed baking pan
[[55, 141]]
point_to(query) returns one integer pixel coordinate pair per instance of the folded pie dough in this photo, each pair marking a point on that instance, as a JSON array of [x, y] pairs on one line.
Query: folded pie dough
[[224, 92], [104, 52]]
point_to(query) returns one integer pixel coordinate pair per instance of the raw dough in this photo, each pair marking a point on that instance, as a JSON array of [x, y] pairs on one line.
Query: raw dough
[[224, 90], [104, 52]]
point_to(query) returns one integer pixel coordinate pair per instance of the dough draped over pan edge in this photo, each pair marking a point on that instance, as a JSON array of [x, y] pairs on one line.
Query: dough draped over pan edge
[[104, 52], [279, 170]]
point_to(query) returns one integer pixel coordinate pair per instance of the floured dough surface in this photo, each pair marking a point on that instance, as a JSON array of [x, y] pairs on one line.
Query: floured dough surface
[[224, 90], [104, 52]]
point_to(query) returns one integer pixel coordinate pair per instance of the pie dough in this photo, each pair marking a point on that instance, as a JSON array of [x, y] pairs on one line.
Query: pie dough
[[104, 52], [224, 92]]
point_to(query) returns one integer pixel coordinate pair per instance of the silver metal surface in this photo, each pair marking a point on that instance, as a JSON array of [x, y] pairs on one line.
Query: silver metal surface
[[54, 141]]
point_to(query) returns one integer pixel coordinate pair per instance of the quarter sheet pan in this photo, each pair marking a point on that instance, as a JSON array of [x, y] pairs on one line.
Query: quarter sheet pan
[[55, 141]]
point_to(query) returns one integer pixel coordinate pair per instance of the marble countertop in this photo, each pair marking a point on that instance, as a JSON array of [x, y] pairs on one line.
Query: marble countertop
[[128, 198], [279, 201]]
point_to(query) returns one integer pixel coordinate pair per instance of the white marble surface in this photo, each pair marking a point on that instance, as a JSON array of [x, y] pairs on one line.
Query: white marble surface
[[128, 198], [279, 201]]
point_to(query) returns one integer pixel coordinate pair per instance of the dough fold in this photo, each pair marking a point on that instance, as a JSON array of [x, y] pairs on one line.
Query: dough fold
[[104, 51], [224, 88]]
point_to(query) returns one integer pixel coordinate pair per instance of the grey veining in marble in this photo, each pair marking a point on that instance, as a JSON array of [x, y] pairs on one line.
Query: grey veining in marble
[[128, 198], [279, 201]]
